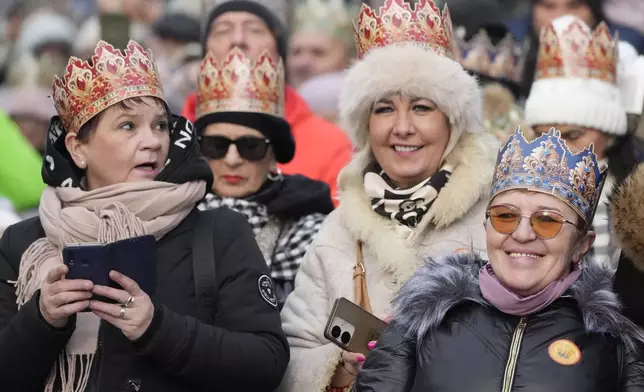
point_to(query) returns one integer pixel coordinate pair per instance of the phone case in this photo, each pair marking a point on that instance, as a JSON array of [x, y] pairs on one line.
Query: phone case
[[133, 257], [352, 328]]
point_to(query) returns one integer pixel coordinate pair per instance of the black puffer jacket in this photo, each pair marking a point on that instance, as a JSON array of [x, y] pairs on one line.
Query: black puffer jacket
[[447, 338], [245, 349]]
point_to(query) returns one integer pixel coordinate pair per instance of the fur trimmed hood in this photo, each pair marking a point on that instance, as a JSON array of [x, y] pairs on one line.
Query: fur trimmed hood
[[440, 285], [627, 216], [465, 194], [413, 71]]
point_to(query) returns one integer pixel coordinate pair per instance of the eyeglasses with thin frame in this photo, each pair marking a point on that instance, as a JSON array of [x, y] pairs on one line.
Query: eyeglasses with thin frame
[[546, 224], [251, 148]]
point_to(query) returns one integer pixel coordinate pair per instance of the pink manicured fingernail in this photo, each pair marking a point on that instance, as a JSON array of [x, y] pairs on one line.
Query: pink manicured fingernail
[[371, 345], [361, 358]]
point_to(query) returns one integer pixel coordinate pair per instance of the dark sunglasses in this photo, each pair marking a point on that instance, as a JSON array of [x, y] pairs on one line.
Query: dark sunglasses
[[251, 148], [545, 224]]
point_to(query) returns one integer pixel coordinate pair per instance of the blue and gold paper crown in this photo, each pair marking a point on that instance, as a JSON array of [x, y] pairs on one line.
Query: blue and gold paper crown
[[547, 165]]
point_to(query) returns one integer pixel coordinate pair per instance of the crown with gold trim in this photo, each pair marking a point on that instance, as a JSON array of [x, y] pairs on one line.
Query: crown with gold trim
[[505, 60], [111, 76], [569, 48], [332, 18], [547, 165], [397, 23], [239, 84]]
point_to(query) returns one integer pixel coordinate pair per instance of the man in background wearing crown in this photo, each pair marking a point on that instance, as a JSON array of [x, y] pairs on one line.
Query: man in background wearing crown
[[322, 41], [576, 90], [322, 149]]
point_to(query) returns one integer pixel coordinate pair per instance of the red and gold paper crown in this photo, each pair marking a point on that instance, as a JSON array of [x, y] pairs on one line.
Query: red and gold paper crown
[[504, 61], [239, 84], [397, 22], [87, 88], [577, 52]]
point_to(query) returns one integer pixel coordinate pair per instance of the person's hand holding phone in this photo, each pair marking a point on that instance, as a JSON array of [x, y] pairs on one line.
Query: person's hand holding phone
[[61, 298], [351, 364], [132, 313]]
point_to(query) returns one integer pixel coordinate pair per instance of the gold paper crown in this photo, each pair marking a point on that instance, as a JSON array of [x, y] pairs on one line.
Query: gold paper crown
[[331, 18], [239, 84], [87, 88], [578, 52], [398, 23], [505, 61]]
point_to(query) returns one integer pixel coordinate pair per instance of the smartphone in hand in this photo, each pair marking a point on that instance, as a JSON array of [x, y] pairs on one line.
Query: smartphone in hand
[[352, 328], [133, 257]]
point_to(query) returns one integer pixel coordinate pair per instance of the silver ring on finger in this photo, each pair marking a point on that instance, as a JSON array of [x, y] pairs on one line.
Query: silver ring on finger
[[122, 314], [129, 302]]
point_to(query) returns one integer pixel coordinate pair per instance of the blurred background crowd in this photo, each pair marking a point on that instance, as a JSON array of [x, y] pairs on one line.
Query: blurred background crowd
[[38, 36]]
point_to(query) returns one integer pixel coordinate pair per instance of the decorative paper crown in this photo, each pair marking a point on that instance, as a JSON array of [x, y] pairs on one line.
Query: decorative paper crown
[[577, 52], [397, 23], [331, 18], [87, 88], [505, 61], [546, 165], [241, 85]]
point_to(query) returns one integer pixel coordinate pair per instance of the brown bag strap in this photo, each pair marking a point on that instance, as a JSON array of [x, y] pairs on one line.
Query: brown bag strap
[[360, 293]]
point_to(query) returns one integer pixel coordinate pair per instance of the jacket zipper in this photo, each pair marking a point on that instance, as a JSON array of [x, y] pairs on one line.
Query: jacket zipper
[[511, 365], [97, 359]]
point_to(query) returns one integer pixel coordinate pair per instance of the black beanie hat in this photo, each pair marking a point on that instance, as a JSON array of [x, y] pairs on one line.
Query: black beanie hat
[[272, 21], [179, 27]]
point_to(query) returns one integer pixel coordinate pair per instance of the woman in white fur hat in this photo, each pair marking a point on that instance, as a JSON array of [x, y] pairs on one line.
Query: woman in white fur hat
[[416, 187], [577, 90]]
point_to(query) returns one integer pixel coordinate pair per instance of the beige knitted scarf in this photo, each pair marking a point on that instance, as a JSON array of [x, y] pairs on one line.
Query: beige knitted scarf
[[113, 213]]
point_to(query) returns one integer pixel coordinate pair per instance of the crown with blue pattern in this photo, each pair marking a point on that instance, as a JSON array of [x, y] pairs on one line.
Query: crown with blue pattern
[[547, 165]]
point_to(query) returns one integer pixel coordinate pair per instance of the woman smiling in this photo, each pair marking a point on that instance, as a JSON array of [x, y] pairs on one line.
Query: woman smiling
[[417, 185], [532, 318]]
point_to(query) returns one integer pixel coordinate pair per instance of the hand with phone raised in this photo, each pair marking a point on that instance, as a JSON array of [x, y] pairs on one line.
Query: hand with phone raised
[[61, 298]]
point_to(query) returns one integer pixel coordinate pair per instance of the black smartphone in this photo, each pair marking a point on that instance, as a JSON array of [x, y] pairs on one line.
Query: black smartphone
[[87, 261], [133, 257], [352, 328]]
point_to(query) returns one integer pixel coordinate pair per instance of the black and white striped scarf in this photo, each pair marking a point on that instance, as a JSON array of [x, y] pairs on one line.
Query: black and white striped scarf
[[407, 206]]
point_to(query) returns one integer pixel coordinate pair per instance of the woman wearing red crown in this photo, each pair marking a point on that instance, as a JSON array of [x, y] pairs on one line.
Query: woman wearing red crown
[[201, 315], [532, 318], [416, 188], [243, 134]]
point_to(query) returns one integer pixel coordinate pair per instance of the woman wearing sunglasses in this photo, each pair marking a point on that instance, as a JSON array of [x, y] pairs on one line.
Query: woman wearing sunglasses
[[243, 134], [536, 316]]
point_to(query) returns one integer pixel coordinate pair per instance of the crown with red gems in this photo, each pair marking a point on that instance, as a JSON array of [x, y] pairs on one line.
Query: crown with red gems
[[239, 84], [89, 87], [397, 23], [569, 48], [505, 60]]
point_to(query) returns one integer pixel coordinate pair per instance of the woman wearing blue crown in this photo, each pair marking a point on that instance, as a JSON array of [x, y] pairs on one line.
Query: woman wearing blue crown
[[535, 317], [121, 284]]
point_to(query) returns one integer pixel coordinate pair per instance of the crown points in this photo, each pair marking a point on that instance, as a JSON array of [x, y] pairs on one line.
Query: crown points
[[568, 48], [547, 165], [241, 85], [87, 88], [398, 23]]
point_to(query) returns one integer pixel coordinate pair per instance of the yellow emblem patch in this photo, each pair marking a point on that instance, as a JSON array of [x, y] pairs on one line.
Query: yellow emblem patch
[[564, 352]]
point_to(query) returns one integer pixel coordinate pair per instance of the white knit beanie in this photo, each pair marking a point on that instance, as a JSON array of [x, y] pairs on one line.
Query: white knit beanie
[[572, 100]]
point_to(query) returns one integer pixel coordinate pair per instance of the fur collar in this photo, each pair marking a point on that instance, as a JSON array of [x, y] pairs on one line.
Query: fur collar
[[627, 216], [440, 285], [473, 159]]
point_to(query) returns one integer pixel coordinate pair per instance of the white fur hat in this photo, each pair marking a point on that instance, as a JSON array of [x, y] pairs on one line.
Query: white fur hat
[[410, 70], [582, 101]]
